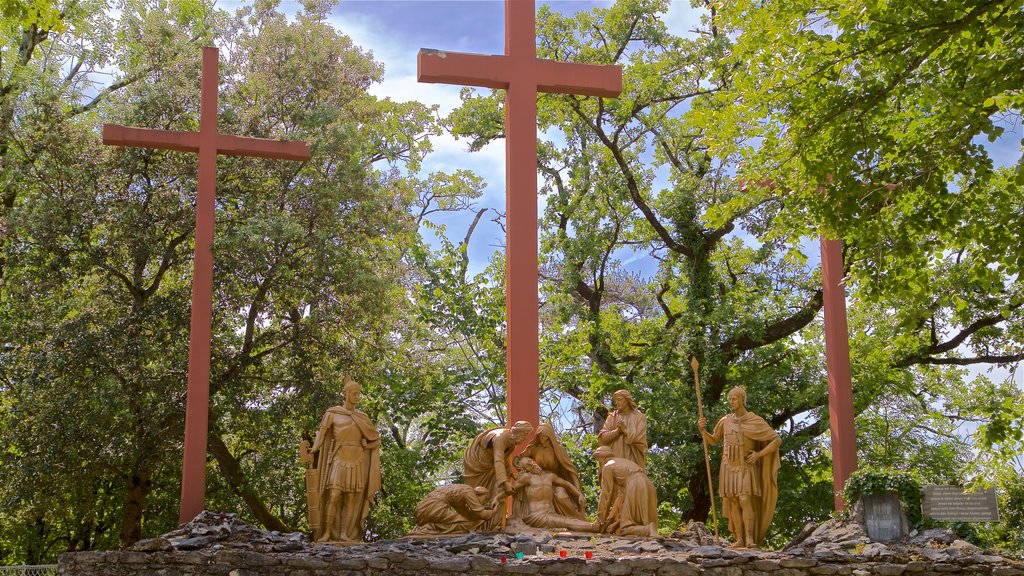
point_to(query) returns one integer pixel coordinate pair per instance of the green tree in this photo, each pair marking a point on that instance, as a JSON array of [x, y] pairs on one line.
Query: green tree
[[311, 282], [650, 176]]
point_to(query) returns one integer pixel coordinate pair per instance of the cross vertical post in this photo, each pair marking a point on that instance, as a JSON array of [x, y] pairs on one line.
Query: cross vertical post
[[837, 358], [208, 143], [522, 76]]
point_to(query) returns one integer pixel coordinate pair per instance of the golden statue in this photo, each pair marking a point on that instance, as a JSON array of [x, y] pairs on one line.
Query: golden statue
[[453, 509], [747, 479], [549, 454], [534, 503], [625, 430], [488, 463], [629, 502], [343, 470]]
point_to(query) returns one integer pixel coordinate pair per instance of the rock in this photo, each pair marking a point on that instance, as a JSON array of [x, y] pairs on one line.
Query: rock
[[890, 569], [845, 535], [934, 535], [804, 534], [708, 551], [934, 554], [876, 550], [986, 559], [678, 569], [695, 532], [651, 546], [964, 548], [158, 544], [798, 562], [192, 543]]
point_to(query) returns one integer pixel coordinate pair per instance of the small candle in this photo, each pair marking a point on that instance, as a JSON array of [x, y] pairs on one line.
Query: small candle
[[562, 553], [519, 555], [504, 560], [589, 554]]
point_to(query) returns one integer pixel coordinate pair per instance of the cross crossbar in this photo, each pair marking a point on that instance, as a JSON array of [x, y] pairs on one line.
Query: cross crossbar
[[227, 145]]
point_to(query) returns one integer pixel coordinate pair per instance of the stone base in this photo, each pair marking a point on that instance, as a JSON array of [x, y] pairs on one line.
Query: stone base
[[219, 545], [483, 555]]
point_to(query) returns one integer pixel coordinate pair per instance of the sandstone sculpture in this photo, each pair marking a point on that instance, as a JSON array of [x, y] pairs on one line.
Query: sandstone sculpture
[[625, 430], [747, 478], [534, 503], [549, 454], [347, 473], [629, 502], [453, 509], [488, 463]]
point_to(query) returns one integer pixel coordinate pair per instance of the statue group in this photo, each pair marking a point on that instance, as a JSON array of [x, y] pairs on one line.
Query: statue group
[[542, 483]]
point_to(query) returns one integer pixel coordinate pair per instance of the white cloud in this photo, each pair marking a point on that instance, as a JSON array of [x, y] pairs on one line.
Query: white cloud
[[682, 18]]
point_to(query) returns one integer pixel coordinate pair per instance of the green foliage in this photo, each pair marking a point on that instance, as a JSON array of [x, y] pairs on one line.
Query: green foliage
[[867, 480], [323, 270]]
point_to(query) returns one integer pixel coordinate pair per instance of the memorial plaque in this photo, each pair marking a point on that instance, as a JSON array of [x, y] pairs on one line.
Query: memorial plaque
[[884, 517], [952, 504]]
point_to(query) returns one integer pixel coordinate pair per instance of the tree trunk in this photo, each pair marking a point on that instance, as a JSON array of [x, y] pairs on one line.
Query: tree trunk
[[36, 548], [232, 473], [139, 485], [698, 485]]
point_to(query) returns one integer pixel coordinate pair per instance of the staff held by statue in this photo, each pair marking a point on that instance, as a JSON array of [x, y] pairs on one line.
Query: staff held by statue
[[707, 458]]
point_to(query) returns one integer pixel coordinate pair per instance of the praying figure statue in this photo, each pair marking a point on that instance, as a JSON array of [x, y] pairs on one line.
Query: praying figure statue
[[549, 454], [533, 505], [488, 463], [453, 509], [747, 478], [629, 501], [347, 451], [625, 430]]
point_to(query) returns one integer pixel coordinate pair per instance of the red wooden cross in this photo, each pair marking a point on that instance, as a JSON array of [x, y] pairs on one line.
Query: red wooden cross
[[522, 76], [837, 362], [208, 143]]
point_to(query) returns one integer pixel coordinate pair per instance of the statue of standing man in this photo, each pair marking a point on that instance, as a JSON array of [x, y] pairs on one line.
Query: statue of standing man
[[488, 463], [625, 430], [348, 475], [748, 476]]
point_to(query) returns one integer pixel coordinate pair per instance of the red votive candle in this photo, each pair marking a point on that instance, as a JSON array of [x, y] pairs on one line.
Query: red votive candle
[[562, 553], [589, 554]]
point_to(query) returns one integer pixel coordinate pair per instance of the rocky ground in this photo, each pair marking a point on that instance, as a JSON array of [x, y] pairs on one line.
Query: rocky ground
[[217, 543]]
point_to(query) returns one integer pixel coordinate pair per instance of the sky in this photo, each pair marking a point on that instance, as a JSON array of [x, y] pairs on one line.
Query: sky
[[394, 31]]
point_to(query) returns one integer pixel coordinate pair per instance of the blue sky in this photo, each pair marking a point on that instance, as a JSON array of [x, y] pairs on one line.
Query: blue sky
[[394, 31]]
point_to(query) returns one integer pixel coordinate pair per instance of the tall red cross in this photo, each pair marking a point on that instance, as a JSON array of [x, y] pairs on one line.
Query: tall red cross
[[837, 360], [208, 144], [522, 76], [837, 363]]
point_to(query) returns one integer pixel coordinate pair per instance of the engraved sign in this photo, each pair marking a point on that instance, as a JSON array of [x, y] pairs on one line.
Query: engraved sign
[[952, 504]]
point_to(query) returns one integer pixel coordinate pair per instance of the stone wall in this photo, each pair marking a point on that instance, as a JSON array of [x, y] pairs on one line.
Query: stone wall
[[401, 558], [219, 545]]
